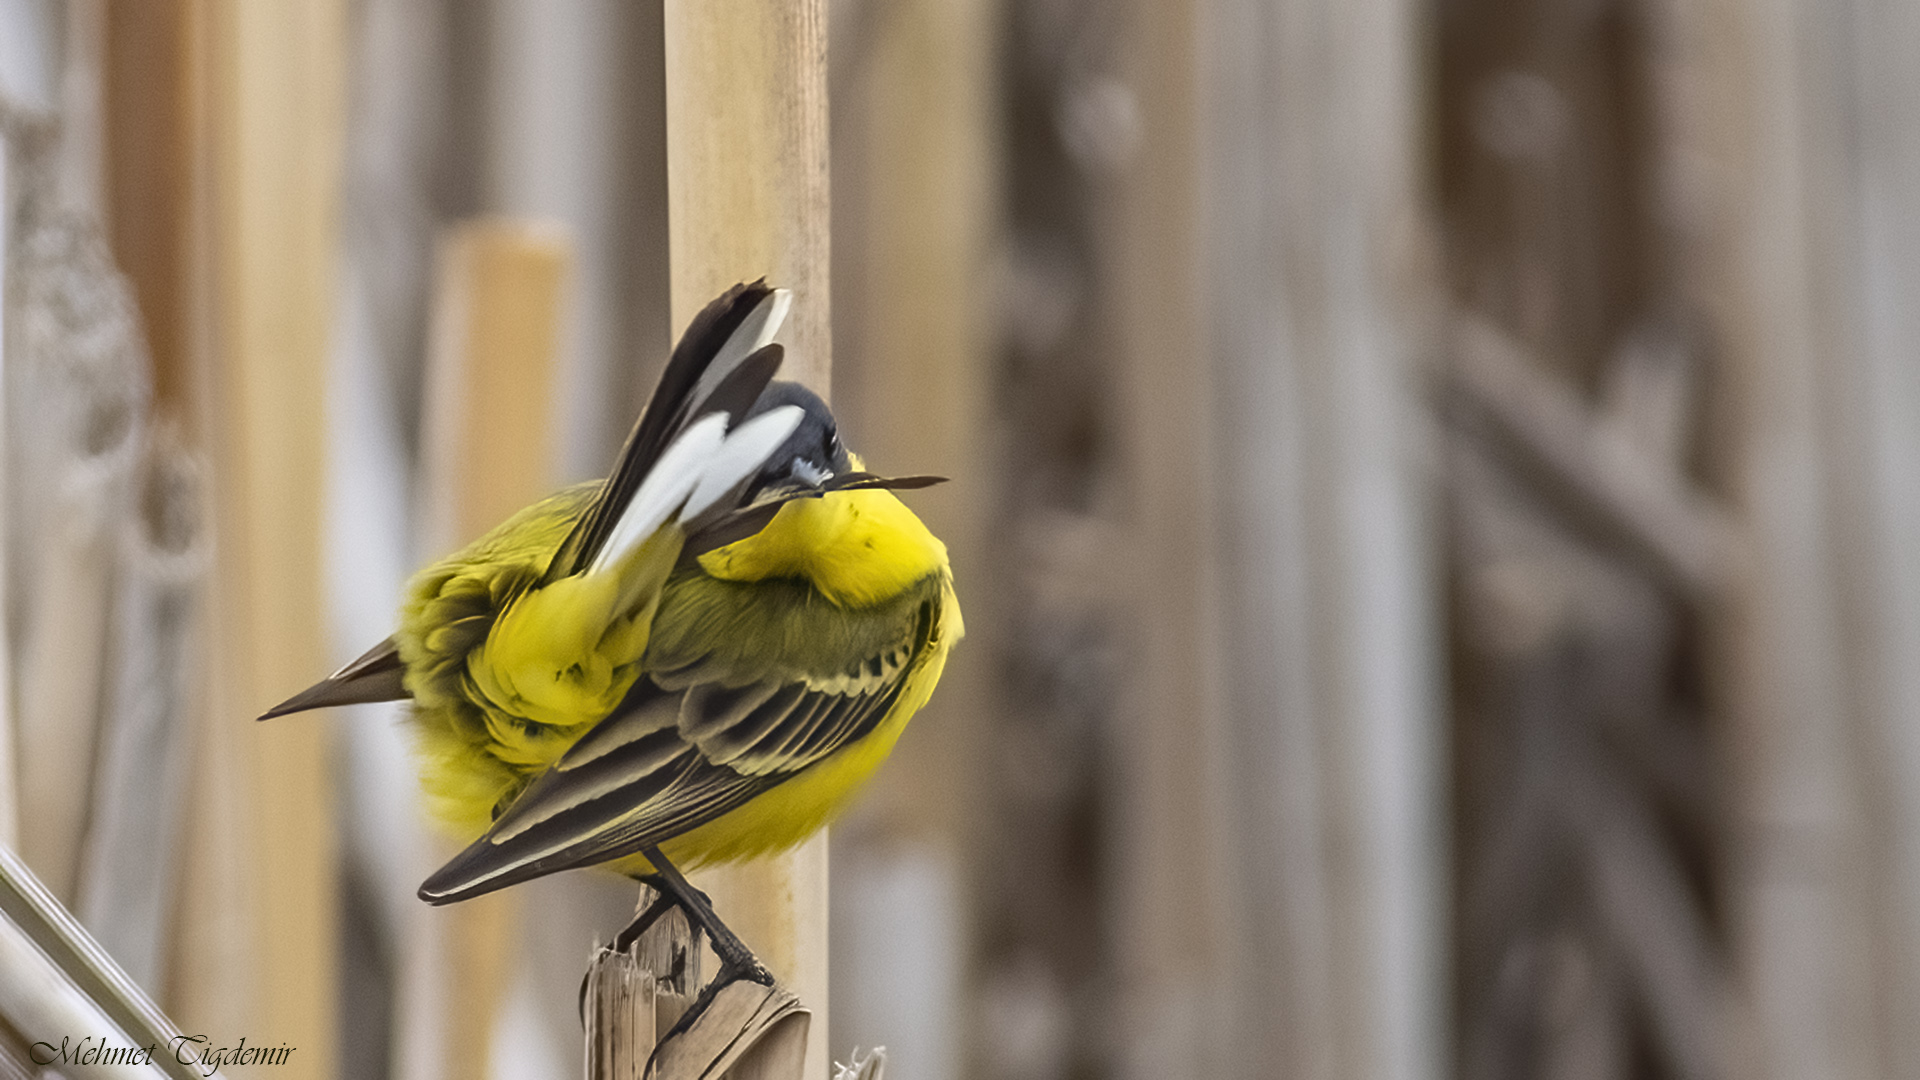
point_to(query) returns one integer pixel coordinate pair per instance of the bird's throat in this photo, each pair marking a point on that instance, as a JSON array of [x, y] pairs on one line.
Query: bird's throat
[[857, 548]]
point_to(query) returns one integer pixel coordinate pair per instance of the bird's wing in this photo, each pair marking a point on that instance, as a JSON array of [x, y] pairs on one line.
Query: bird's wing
[[721, 364], [700, 734]]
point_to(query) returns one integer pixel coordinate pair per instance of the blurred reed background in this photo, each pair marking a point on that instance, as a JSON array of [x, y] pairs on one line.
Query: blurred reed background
[[1435, 503]]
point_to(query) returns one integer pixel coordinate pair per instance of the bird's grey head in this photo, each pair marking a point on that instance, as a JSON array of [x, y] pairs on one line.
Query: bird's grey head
[[813, 453]]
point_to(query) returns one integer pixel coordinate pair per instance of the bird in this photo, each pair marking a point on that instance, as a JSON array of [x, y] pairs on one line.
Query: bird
[[694, 661]]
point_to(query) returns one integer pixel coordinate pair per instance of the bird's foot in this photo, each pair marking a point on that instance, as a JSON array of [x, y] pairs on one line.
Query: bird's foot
[[736, 960], [671, 890], [750, 969]]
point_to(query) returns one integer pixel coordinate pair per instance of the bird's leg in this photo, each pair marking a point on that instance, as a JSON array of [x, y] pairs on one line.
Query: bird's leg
[[735, 958], [663, 902], [623, 941]]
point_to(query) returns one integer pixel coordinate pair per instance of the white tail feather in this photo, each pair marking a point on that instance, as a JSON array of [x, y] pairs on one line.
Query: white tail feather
[[752, 335], [666, 487], [747, 448], [701, 467]]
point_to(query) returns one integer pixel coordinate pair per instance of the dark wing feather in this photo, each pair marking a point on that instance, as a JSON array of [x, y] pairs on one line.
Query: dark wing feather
[[667, 413], [669, 761], [378, 675], [736, 391]]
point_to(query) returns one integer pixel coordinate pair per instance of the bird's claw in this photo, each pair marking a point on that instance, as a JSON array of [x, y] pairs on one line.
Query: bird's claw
[[750, 971]]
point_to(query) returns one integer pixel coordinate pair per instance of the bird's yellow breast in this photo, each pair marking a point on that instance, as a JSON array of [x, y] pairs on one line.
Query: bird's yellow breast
[[858, 548]]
